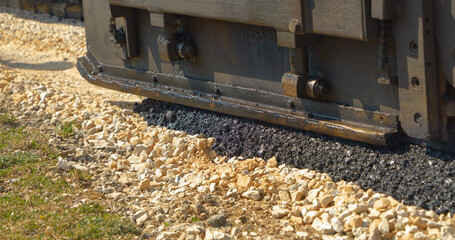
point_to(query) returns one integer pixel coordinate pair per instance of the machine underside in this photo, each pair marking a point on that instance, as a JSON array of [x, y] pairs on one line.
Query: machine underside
[[376, 71]]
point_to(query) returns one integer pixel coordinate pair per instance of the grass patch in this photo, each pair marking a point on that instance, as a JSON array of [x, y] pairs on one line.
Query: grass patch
[[65, 129], [7, 119], [15, 137], [195, 219], [17, 158], [33, 205]]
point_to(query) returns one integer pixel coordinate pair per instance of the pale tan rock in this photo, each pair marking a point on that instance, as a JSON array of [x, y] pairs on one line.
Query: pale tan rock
[[142, 219], [214, 179], [126, 178], [354, 221], [358, 208], [297, 195], [381, 204], [325, 201], [284, 195], [312, 183], [310, 216], [252, 194], [374, 214], [389, 214], [349, 189], [296, 212], [297, 220], [288, 228], [337, 225], [159, 163], [420, 223], [272, 162], [112, 164], [420, 235], [144, 184], [375, 235], [448, 233], [244, 181], [211, 141], [384, 227], [434, 232], [202, 143], [280, 213], [303, 235]]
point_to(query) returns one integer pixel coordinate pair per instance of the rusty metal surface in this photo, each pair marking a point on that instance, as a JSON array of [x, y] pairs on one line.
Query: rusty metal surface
[[337, 128], [365, 70], [352, 19]]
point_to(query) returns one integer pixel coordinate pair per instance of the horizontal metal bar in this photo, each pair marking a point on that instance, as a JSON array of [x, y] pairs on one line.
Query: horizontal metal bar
[[337, 128], [276, 13], [254, 97]]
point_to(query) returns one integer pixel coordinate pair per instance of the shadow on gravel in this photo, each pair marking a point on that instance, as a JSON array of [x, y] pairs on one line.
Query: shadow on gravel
[[46, 66], [40, 17], [123, 104], [414, 174]]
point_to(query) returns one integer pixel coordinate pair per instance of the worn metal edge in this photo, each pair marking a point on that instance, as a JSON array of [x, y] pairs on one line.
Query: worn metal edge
[[336, 128]]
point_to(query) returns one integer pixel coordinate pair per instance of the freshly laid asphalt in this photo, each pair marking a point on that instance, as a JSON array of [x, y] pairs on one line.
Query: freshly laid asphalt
[[414, 174]]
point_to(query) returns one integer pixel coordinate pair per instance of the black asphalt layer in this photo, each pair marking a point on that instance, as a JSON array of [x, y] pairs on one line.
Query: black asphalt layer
[[414, 174]]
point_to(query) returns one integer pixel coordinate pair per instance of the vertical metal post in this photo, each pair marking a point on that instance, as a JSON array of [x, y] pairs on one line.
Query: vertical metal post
[[417, 71]]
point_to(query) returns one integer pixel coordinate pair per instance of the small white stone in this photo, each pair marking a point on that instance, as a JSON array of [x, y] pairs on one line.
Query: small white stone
[[80, 152], [448, 232], [420, 235], [252, 194], [323, 227], [357, 208], [212, 187], [231, 192], [337, 224], [302, 235], [63, 164], [142, 219], [310, 216], [216, 235], [280, 213], [288, 228], [139, 214], [384, 227]]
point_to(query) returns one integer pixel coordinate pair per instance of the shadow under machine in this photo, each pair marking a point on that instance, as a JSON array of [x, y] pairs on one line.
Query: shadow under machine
[[376, 71]]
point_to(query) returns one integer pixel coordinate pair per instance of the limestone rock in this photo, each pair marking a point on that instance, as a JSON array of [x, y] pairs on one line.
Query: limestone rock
[[252, 194], [280, 213], [144, 184], [63, 164], [217, 220], [284, 195], [272, 162], [353, 222], [381, 204], [244, 181]]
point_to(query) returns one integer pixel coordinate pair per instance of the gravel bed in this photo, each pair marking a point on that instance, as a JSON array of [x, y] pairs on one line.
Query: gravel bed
[[417, 175]]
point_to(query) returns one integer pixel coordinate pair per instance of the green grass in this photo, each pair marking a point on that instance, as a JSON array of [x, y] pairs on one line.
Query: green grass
[[195, 219], [65, 129], [7, 119], [33, 207]]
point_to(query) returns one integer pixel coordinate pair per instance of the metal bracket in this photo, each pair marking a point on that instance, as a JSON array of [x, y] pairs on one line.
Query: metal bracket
[[123, 32], [175, 44]]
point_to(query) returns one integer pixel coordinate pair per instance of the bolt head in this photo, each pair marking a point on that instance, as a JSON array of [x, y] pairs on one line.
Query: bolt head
[[294, 25]]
